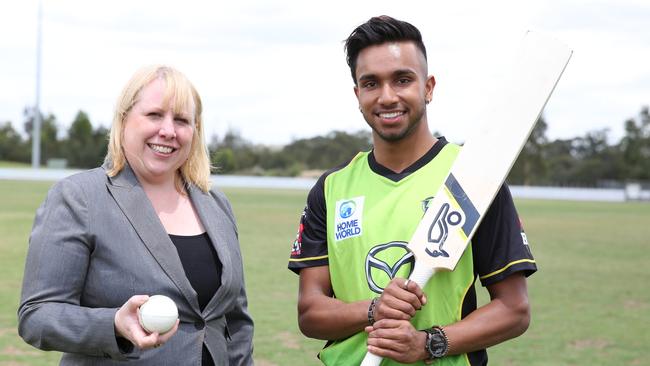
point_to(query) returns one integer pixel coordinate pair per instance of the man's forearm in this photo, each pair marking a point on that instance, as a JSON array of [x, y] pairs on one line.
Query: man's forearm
[[506, 316], [328, 318]]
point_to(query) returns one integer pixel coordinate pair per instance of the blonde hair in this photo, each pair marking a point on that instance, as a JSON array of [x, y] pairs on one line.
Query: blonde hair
[[196, 169]]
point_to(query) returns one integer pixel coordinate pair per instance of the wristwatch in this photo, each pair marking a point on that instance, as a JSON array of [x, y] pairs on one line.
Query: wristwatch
[[437, 344]]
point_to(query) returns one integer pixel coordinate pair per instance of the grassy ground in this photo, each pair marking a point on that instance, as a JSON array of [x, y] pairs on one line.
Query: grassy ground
[[13, 164], [590, 297], [590, 300], [18, 201]]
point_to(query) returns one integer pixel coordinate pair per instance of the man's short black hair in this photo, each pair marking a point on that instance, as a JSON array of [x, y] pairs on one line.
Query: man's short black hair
[[376, 31]]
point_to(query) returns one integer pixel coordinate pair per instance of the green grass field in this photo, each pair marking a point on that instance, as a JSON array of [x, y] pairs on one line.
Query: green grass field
[[590, 298], [13, 164]]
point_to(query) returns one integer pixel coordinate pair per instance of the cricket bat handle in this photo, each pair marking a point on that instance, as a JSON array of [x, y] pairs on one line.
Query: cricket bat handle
[[371, 360], [420, 275]]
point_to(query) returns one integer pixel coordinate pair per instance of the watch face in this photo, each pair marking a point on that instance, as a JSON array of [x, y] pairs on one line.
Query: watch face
[[437, 345]]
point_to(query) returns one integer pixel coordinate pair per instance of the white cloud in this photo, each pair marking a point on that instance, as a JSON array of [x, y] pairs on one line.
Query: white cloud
[[276, 70]]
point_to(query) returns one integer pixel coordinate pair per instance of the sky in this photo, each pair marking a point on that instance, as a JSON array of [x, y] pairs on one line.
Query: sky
[[275, 71]]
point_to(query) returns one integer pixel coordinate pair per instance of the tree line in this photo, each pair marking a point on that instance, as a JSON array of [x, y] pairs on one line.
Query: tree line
[[588, 160], [82, 146]]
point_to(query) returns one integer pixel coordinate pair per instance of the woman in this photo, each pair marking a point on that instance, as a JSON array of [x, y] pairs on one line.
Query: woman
[[144, 223]]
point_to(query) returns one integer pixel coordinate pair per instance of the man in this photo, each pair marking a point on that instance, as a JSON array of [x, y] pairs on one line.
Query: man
[[351, 248]]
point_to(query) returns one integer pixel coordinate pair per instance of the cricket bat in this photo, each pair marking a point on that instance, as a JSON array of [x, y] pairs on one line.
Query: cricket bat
[[485, 159]]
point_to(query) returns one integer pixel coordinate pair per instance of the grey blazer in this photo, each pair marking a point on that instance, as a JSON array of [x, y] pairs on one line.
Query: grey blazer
[[96, 242]]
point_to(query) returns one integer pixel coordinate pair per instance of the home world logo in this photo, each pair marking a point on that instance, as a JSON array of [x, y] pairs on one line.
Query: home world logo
[[349, 213]]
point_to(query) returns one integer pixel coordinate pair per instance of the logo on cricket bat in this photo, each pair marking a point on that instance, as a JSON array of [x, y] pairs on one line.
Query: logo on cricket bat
[[464, 214], [439, 230]]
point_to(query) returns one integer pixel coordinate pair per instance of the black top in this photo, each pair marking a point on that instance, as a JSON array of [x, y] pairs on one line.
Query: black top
[[201, 264], [202, 268]]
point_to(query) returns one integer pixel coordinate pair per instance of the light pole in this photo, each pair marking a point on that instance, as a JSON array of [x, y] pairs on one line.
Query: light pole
[[36, 128]]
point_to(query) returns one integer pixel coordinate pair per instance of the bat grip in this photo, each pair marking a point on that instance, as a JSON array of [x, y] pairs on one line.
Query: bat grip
[[420, 275], [371, 360]]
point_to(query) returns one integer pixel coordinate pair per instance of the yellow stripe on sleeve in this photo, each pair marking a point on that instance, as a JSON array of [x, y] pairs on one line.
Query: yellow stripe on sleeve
[[506, 267], [307, 259]]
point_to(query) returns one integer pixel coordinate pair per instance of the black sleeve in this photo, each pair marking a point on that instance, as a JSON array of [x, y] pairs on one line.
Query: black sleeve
[[500, 246], [310, 247]]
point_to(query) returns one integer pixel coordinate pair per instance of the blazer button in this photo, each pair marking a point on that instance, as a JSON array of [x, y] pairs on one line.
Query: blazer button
[[199, 325]]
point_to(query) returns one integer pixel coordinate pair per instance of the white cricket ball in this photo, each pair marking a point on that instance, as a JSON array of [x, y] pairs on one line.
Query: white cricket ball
[[158, 314]]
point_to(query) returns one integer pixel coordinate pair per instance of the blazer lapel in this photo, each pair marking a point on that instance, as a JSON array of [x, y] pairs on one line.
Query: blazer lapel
[[135, 205], [218, 226]]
